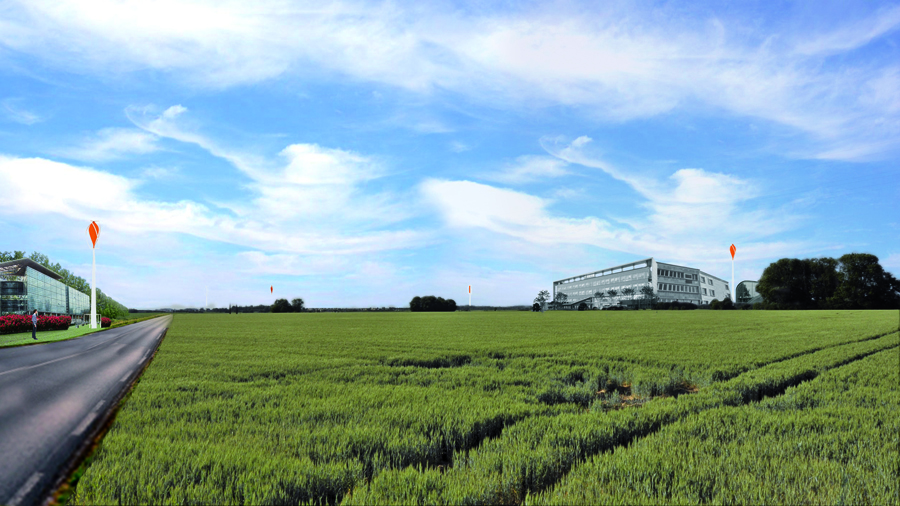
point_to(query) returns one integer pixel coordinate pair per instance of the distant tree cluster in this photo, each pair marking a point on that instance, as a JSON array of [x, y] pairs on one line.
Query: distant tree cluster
[[283, 306], [261, 308], [853, 281], [106, 305], [431, 303]]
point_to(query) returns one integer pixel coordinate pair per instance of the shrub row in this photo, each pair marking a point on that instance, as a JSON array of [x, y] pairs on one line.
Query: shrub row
[[16, 323]]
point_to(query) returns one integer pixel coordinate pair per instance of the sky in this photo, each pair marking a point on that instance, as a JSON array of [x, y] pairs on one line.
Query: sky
[[357, 154]]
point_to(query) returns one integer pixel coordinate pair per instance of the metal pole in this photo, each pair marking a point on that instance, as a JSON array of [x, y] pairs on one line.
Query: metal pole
[[94, 289]]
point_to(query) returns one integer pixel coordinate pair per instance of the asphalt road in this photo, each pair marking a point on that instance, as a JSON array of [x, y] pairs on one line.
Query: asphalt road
[[54, 396]]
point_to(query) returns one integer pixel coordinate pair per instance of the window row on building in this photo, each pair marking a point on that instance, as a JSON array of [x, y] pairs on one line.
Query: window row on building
[[679, 288]]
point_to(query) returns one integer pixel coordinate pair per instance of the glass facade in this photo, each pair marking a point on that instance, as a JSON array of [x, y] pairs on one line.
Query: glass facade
[[634, 276], [45, 294], [746, 292], [12, 293], [36, 290], [79, 303]]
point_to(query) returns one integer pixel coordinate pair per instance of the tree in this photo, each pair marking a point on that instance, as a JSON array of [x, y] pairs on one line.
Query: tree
[[297, 305], [864, 284], [561, 299], [823, 280], [715, 304], [727, 304], [611, 293], [281, 306], [785, 283], [582, 307], [628, 292], [432, 303], [536, 307], [8, 256], [599, 296], [541, 298], [647, 293]]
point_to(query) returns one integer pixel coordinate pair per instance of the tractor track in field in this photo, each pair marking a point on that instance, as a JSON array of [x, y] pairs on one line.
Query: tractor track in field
[[449, 456], [756, 395]]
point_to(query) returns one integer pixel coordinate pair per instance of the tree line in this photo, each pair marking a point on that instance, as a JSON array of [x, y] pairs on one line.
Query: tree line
[[853, 281], [106, 305]]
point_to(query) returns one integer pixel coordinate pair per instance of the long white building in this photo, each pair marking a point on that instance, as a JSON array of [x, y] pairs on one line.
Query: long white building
[[670, 283]]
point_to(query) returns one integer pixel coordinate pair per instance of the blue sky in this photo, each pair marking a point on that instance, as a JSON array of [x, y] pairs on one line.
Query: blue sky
[[358, 154]]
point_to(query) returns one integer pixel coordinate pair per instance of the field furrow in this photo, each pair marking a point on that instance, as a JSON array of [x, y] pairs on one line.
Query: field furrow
[[831, 440], [536, 453]]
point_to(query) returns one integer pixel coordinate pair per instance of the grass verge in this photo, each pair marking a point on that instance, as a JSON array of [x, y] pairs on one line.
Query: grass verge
[[51, 336]]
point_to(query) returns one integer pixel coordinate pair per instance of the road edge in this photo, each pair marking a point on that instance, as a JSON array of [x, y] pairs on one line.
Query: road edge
[[65, 483]]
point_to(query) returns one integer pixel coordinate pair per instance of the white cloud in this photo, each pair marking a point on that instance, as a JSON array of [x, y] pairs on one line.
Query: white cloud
[[464, 204], [309, 164], [111, 144], [530, 168], [615, 62], [86, 194], [690, 215]]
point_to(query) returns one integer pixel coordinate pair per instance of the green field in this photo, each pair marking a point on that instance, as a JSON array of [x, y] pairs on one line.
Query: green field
[[471, 408]]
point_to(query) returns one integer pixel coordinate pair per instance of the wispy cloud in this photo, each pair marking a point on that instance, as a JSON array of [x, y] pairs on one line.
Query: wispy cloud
[[305, 181], [307, 200], [615, 62], [529, 168], [689, 215], [854, 35], [160, 173], [459, 147], [112, 144], [14, 112]]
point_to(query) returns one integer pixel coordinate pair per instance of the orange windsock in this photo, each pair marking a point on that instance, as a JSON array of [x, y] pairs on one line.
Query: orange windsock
[[732, 249], [271, 289], [94, 231]]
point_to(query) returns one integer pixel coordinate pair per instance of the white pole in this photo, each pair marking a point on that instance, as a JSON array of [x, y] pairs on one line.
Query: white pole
[[94, 289]]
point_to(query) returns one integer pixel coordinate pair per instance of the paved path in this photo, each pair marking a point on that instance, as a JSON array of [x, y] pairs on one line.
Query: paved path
[[53, 396]]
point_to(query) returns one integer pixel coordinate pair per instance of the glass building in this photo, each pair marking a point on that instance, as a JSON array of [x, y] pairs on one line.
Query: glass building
[[747, 294], [26, 285]]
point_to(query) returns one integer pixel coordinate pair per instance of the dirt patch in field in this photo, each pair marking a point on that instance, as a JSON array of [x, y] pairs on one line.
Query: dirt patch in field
[[621, 396]]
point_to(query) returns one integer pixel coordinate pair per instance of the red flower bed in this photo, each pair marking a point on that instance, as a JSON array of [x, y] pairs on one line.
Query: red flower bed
[[16, 323], [105, 322]]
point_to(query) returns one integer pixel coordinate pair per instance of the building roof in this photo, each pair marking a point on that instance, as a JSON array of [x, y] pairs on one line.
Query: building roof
[[611, 270], [18, 266]]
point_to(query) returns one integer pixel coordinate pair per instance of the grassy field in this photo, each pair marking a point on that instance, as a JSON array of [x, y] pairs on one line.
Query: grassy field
[[24, 338], [465, 408]]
